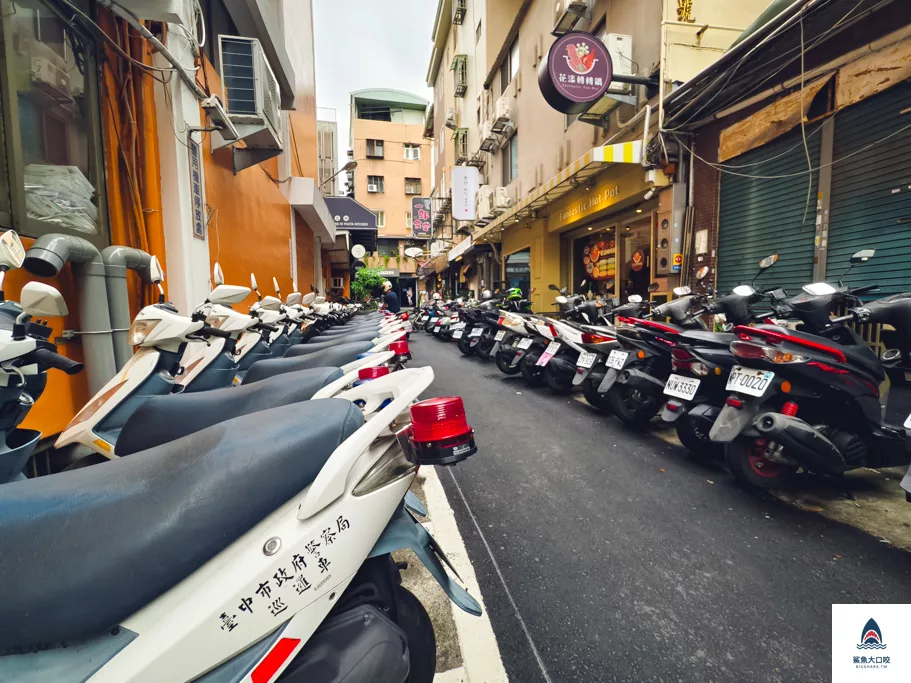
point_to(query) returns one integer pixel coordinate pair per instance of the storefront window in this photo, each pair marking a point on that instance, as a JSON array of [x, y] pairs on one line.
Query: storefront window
[[595, 262], [55, 116], [518, 271]]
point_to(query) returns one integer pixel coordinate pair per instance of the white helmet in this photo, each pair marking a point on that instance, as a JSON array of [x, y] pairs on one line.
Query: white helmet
[[436, 296], [387, 286]]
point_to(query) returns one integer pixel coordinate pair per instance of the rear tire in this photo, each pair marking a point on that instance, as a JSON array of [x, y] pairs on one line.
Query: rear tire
[[556, 382], [422, 645], [503, 365], [531, 373], [744, 456], [697, 443], [597, 401], [465, 344], [633, 407]]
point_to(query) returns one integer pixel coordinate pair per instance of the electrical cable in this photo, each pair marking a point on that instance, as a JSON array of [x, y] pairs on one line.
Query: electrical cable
[[803, 118]]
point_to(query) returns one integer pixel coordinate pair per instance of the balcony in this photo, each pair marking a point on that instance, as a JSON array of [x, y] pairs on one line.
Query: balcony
[[461, 146], [459, 8], [459, 67]]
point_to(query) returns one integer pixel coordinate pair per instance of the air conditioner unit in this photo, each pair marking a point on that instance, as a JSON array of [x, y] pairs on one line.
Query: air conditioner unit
[[485, 205], [250, 92], [373, 188], [503, 121], [52, 80], [620, 48], [451, 119], [501, 200], [489, 141]]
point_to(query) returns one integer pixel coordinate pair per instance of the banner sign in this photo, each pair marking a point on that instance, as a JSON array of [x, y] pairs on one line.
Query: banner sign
[[577, 72], [421, 211], [465, 183]]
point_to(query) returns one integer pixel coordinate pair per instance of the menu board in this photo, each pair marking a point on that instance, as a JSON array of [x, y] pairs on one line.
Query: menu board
[[600, 259]]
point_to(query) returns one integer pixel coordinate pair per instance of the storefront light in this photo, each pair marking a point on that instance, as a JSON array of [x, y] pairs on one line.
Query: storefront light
[[638, 210]]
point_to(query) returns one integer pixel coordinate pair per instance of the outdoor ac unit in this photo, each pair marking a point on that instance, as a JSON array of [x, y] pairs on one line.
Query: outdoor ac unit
[[489, 140], [503, 115], [620, 48], [373, 188], [451, 119], [485, 203], [251, 92], [53, 80], [501, 200]]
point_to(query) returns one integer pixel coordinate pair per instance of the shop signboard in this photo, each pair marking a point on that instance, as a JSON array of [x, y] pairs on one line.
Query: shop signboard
[[465, 183], [576, 73], [421, 215]]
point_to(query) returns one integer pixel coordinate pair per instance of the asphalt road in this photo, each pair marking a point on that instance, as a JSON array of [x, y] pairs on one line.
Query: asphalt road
[[596, 565]]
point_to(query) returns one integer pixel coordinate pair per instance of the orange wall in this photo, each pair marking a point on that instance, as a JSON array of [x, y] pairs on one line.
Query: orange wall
[[305, 280]]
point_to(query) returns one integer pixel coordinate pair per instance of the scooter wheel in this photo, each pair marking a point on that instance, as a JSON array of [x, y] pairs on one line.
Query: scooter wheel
[[745, 457], [633, 407], [556, 382], [531, 373], [597, 401], [697, 442], [503, 365], [422, 645], [465, 345]]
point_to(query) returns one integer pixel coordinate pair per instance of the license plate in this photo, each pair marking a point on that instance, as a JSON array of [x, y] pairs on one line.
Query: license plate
[[586, 359], [681, 387], [749, 381], [499, 336], [436, 330], [549, 353], [525, 343], [433, 320], [457, 334], [476, 332], [617, 359]]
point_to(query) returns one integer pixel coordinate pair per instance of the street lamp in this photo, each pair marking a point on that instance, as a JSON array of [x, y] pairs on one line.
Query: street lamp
[[350, 166]]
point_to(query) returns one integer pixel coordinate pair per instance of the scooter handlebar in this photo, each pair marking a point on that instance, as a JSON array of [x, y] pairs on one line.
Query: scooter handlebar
[[208, 331], [264, 327], [56, 361]]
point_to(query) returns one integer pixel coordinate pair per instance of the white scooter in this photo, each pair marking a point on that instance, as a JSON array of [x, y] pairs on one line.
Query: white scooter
[[253, 550]]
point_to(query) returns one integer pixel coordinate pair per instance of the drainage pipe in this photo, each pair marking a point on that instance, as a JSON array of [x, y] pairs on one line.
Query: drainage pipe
[[117, 260], [45, 258]]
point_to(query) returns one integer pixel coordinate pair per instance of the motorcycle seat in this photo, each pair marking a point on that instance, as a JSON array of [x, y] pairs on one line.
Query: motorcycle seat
[[334, 357], [697, 337], [85, 549], [336, 332], [166, 418], [322, 343]]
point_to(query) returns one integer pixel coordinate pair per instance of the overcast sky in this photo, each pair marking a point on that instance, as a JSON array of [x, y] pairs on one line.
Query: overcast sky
[[370, 44]]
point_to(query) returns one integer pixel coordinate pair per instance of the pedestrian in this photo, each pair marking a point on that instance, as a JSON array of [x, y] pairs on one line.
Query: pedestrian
[[409, 295], [390, 300]]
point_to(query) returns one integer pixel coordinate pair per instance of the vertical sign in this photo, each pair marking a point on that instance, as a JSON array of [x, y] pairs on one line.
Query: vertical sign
[[421, 227], [198, 204], [465, 182]]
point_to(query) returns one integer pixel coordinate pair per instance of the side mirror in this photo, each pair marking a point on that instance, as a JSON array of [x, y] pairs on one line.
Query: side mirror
[[293, 299], [654, 287], [635, 299], [744, 290], [253, 284], [583, 283], [862, 256], [228, 294], [702, 272], [12, 253], [553, 287], [40, 299], [275, 286], [218, 275], [156, 271], [768, 262], [682, 291]]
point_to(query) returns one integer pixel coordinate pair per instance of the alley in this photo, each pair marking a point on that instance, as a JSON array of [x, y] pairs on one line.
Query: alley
[[605, 555]]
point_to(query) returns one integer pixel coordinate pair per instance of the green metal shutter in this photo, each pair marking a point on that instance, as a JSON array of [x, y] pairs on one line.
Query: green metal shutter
[[762, 216], [871, 192]]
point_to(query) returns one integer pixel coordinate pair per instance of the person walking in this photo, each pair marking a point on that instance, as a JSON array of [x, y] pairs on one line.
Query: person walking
[[390, 300]]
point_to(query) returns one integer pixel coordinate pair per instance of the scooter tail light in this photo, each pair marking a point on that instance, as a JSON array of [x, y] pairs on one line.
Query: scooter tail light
[[589, 338], [404, 316], [749, 350], [440, 433], [734, 402], [774, 336], [400, 348], [372, 373]]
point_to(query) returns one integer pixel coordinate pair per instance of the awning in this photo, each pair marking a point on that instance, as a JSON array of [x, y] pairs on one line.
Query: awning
[[589, 164], [305, 197], [356, 219], [460, 249]]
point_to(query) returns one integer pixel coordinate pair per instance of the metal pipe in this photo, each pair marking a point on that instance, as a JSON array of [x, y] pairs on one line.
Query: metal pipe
[[624, 125], [45, 258], [117, 260]]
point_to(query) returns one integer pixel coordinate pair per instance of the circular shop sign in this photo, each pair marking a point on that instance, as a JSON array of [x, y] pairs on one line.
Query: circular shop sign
[[358, 251], [577, 72]]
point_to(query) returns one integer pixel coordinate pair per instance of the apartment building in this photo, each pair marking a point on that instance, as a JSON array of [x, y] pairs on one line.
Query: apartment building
[[327, 150], [564, 198], [393, 168]]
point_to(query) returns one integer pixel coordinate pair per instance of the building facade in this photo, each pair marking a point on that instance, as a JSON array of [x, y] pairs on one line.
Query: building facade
[[393, 167], [327, 150], [178, 161], [566, 198]]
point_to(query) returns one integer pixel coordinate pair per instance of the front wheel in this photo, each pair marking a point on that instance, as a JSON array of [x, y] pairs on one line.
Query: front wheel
[[746, 458], [503, 364], [465, 344], [633, 407], [422, 645], [531, 373]]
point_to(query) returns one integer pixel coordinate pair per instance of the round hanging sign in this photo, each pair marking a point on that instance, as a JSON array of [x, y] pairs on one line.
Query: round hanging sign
[[577, 72], [358, 251]]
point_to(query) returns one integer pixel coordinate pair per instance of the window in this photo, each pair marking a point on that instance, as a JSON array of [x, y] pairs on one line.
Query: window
[[412, 186], [518, 271], [380, 219], [510, 66], [407, 220], [52, 181], [374, 149], [477, 34], [390, 248], [511, 160], [412, 152], [374, 112], [375, 183]]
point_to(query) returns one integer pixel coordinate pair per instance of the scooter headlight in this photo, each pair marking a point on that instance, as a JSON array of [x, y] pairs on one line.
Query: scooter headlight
[[141, 329]]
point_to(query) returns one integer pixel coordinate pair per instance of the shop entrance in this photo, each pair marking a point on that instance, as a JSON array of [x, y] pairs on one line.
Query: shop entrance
[[518, 271], [635, 249], [407, 290]]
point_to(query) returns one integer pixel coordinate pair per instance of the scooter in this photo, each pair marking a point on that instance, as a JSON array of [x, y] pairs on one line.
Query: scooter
[[266, 564]]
